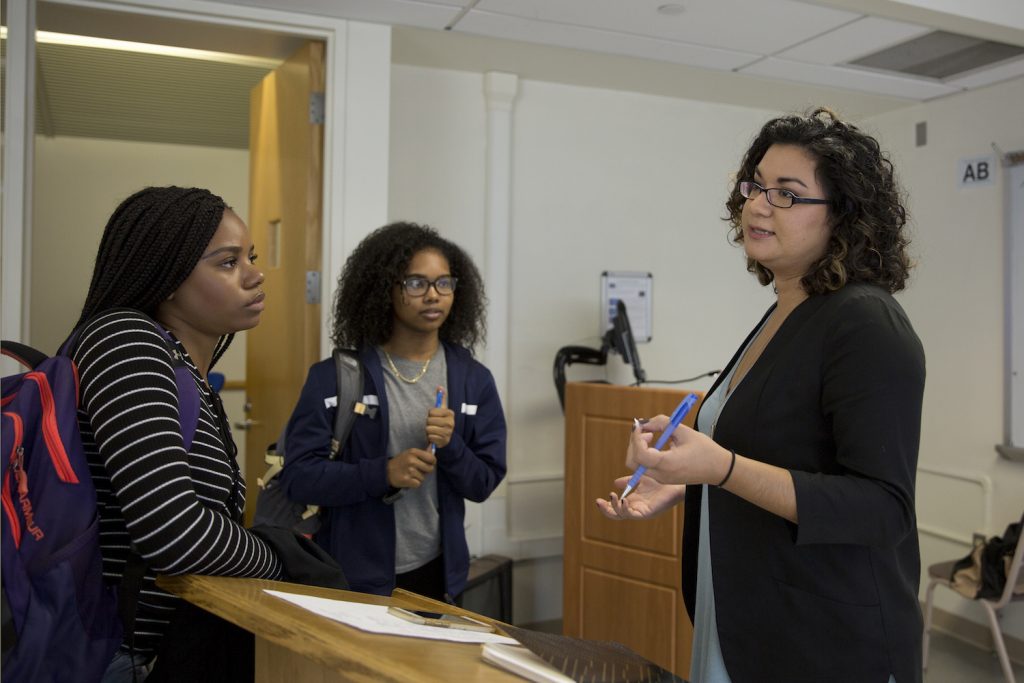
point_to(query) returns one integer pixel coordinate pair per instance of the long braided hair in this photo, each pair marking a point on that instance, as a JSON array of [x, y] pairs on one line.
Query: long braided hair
[[149, 247]]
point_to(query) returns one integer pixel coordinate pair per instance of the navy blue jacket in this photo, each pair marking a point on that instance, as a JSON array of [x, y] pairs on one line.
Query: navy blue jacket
[[359, 528]]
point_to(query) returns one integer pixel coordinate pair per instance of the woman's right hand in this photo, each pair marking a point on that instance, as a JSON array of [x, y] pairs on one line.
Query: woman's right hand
[[408, 469], [648, 500], [691, 457]]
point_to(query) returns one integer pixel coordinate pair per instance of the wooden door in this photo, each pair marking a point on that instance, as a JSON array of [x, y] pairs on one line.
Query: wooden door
[[621, 578], [285, 181]]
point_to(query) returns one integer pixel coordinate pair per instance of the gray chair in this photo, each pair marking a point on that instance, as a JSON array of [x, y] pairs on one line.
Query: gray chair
[[940, 574]]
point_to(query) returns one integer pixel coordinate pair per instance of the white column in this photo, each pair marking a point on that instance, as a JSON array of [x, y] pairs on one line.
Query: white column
[[356, 141], [487, 523], [499, 92], [18, 145]]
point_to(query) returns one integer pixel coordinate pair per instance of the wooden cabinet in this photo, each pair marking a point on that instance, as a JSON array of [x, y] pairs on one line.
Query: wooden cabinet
[[621, 578]]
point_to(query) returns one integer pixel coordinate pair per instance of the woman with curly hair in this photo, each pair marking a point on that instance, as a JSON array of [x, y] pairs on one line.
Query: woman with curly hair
[[433, 435], [800, 548]]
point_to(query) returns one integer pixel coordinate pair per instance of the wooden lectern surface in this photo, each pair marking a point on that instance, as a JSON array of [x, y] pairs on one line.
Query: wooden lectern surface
[[621, 578], [296, 645]]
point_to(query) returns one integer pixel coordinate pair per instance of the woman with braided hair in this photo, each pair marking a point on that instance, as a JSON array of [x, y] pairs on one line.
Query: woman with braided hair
[[174, 279], [394, 499]]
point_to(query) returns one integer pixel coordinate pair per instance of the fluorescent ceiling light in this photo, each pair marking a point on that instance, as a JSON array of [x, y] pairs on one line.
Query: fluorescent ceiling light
[[50, 38]]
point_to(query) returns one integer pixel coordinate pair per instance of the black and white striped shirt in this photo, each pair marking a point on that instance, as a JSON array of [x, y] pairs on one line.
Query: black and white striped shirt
[[177, 508]]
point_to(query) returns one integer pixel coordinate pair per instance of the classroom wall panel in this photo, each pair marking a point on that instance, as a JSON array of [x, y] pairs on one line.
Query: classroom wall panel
[[955, 299]]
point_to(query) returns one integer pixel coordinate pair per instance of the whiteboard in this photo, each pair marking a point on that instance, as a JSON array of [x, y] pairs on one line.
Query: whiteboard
[[1015, 303], [636, 291]]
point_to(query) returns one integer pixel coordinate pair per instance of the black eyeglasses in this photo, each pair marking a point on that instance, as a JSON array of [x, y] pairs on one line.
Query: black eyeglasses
[[418, 285], [777, 196]]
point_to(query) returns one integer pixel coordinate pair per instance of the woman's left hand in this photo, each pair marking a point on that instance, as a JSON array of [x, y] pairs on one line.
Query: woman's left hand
[[648, 500], [691, 457], [440, 423]]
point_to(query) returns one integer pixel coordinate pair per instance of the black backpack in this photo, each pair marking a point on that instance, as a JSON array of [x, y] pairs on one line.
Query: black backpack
[[982, 573], [273, 507]]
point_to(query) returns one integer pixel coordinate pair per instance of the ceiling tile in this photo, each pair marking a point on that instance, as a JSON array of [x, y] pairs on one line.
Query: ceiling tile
[[422, 13], [850, 78], [762, 27], [599, 40], [993, 74], [137, 97], [1005, 12], [940, 55], [853, 40]]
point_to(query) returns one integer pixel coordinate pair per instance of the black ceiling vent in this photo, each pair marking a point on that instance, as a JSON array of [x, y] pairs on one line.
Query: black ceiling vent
[[940, 54]]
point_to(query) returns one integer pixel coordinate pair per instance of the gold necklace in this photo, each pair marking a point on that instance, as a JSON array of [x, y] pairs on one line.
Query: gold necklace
[[417, 378]]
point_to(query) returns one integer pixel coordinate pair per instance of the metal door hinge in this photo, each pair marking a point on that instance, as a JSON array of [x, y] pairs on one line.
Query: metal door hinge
[[316, 108], [312, 286]]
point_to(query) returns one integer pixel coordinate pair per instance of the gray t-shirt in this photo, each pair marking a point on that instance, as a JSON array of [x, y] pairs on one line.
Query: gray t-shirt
[[417, 518]]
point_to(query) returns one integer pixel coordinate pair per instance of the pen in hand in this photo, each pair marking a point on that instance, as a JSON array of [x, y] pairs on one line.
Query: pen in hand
[[674, 421], [437, 404], [391, 498]]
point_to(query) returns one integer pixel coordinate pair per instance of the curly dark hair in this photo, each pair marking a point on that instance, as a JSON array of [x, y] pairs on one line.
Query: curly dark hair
[[363, 311], [866, 211]]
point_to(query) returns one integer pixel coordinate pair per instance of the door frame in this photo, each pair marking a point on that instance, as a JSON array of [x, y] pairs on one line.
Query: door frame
[[356, 132]]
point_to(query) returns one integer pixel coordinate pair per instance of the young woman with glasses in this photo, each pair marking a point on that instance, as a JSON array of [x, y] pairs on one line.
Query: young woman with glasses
[[800, 548], [433, 432]]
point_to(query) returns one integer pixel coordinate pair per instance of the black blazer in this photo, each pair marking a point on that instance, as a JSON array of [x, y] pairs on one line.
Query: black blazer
[[835, 398]]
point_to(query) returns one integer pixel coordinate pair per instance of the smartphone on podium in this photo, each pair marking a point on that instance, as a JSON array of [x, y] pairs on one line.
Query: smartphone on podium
[[441, 620]]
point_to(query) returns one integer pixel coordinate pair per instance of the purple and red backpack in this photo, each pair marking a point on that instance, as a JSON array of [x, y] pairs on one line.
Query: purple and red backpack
[[60, 619]]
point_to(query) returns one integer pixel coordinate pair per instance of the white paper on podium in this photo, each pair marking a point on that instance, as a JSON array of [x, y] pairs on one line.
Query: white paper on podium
[[375, 619]]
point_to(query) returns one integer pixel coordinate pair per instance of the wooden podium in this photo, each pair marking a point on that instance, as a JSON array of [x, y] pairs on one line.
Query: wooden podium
[[294, 644], [621, 578]]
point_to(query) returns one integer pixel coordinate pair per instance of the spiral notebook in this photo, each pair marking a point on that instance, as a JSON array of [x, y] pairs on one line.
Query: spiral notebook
[[519, 660], [551, 658]]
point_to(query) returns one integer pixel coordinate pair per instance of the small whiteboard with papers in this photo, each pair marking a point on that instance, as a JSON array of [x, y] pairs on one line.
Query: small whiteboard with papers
[[635, 289]]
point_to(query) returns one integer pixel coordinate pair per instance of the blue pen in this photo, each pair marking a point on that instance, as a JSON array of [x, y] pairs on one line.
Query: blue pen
[[677, 417], [437, 404], [433, 451]]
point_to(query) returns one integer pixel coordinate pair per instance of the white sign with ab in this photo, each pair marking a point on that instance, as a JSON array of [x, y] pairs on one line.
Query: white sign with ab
[[976, 171]]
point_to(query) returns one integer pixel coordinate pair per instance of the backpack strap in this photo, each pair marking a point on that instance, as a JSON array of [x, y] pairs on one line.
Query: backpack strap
[[8, 632], [350, 389], [349, 373], [25, 355], [188, 394], [128, 591]]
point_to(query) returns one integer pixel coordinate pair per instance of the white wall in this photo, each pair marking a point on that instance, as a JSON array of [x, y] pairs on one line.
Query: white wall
[[437, 153], [614, 180], [78, 184], [602, 180], [620, 181], [955, 300]]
